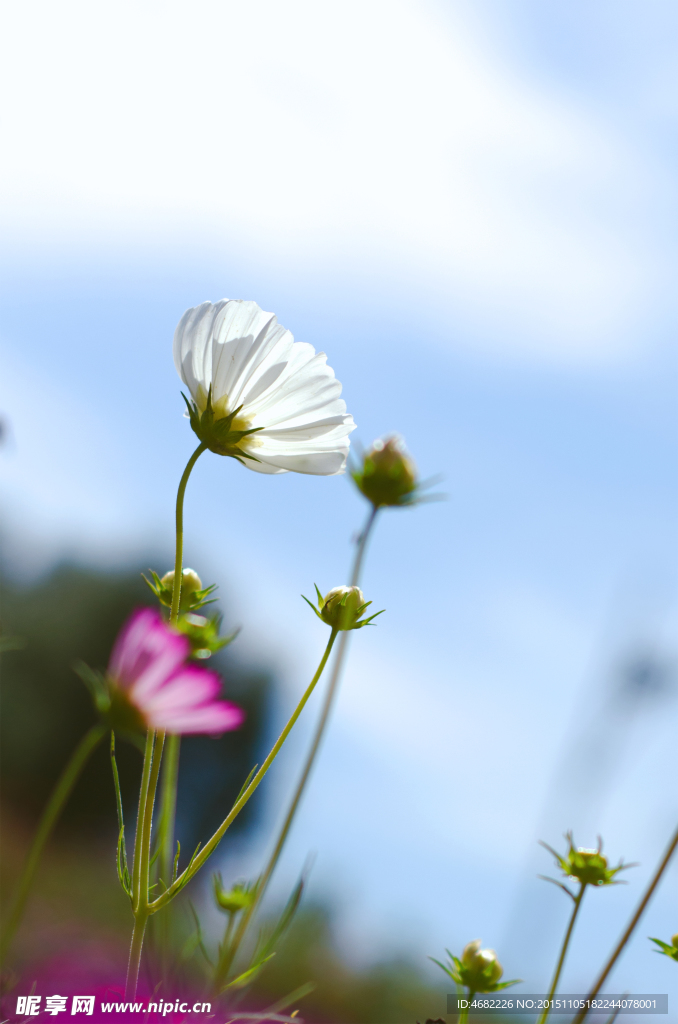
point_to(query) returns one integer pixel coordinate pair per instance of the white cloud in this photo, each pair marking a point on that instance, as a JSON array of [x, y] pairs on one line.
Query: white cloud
[[366, 133]]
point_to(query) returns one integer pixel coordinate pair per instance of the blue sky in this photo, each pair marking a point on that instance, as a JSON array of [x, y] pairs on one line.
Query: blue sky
[[471, 209]]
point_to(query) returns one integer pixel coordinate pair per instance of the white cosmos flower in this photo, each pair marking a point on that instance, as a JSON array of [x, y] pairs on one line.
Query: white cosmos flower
[[236, 359]]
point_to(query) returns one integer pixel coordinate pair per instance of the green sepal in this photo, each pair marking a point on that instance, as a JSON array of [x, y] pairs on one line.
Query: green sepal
[[96, 684], [666, 949], [217, 432]]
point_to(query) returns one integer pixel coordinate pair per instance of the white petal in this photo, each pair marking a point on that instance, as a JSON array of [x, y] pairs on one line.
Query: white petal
[[314, 463], [192, 347]]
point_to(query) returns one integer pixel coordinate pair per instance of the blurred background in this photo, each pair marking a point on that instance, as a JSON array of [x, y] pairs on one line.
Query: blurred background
[[471, 208]]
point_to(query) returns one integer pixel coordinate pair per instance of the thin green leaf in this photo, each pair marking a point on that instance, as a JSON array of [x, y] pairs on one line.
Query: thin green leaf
[[293, 997], [123, 870], [246, 783], [249, 975]]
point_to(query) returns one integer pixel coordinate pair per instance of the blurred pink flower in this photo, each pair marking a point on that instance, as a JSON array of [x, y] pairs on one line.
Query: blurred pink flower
[[148, 672]]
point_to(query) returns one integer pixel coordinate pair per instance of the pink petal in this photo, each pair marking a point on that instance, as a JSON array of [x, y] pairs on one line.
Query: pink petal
[[190, 687], [218, 717], [146, 652]]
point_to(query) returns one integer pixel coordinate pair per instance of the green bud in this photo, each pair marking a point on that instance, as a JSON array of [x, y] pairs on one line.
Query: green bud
[[233, 900], [589, 867], [193, 595], [674, 940], [478, 970], [482, 966], [342, 607], [388, 476], [203, 634], [190, 585]]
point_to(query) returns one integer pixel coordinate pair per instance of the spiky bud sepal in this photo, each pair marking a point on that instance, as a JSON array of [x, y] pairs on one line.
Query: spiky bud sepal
[[221, 434], [666, 949]]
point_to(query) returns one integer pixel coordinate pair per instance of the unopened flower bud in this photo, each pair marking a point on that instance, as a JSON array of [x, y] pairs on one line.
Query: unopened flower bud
[[478, 970], [233, 900], [191, 584], [342, 607], [589, 867], [674, 940], [482, 967], [468, 957], [388, 476]]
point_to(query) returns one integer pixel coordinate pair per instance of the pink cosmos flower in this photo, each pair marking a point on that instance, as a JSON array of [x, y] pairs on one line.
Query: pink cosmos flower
[[149, 674]]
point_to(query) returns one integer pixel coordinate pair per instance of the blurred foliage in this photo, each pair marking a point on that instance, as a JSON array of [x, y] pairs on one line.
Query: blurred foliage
[[75, 613], [392, 990]]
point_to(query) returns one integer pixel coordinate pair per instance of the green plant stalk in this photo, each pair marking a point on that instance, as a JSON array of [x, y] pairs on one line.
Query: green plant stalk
[[141, 815], [463, 1016], [645, 899], [50, 816], [168, 799], [209, 848], [142, 856], [563, 952], [230, 949]]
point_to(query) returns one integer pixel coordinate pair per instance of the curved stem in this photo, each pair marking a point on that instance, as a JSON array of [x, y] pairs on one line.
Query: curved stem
[[310, 759], [654, 882], [563, 952], [209, 848], [50, 815], [179, 549]]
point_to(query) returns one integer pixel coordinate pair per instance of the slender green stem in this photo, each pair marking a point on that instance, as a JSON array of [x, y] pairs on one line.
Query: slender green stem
[[179, 550], [308, 766], [147, 829], [168, 798], [50, 815], [463, 1016], [362, 545], [141, 817], [142, 856], [168, 806], [647, 896], [134, 964], [209, 848], [563, 952]]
